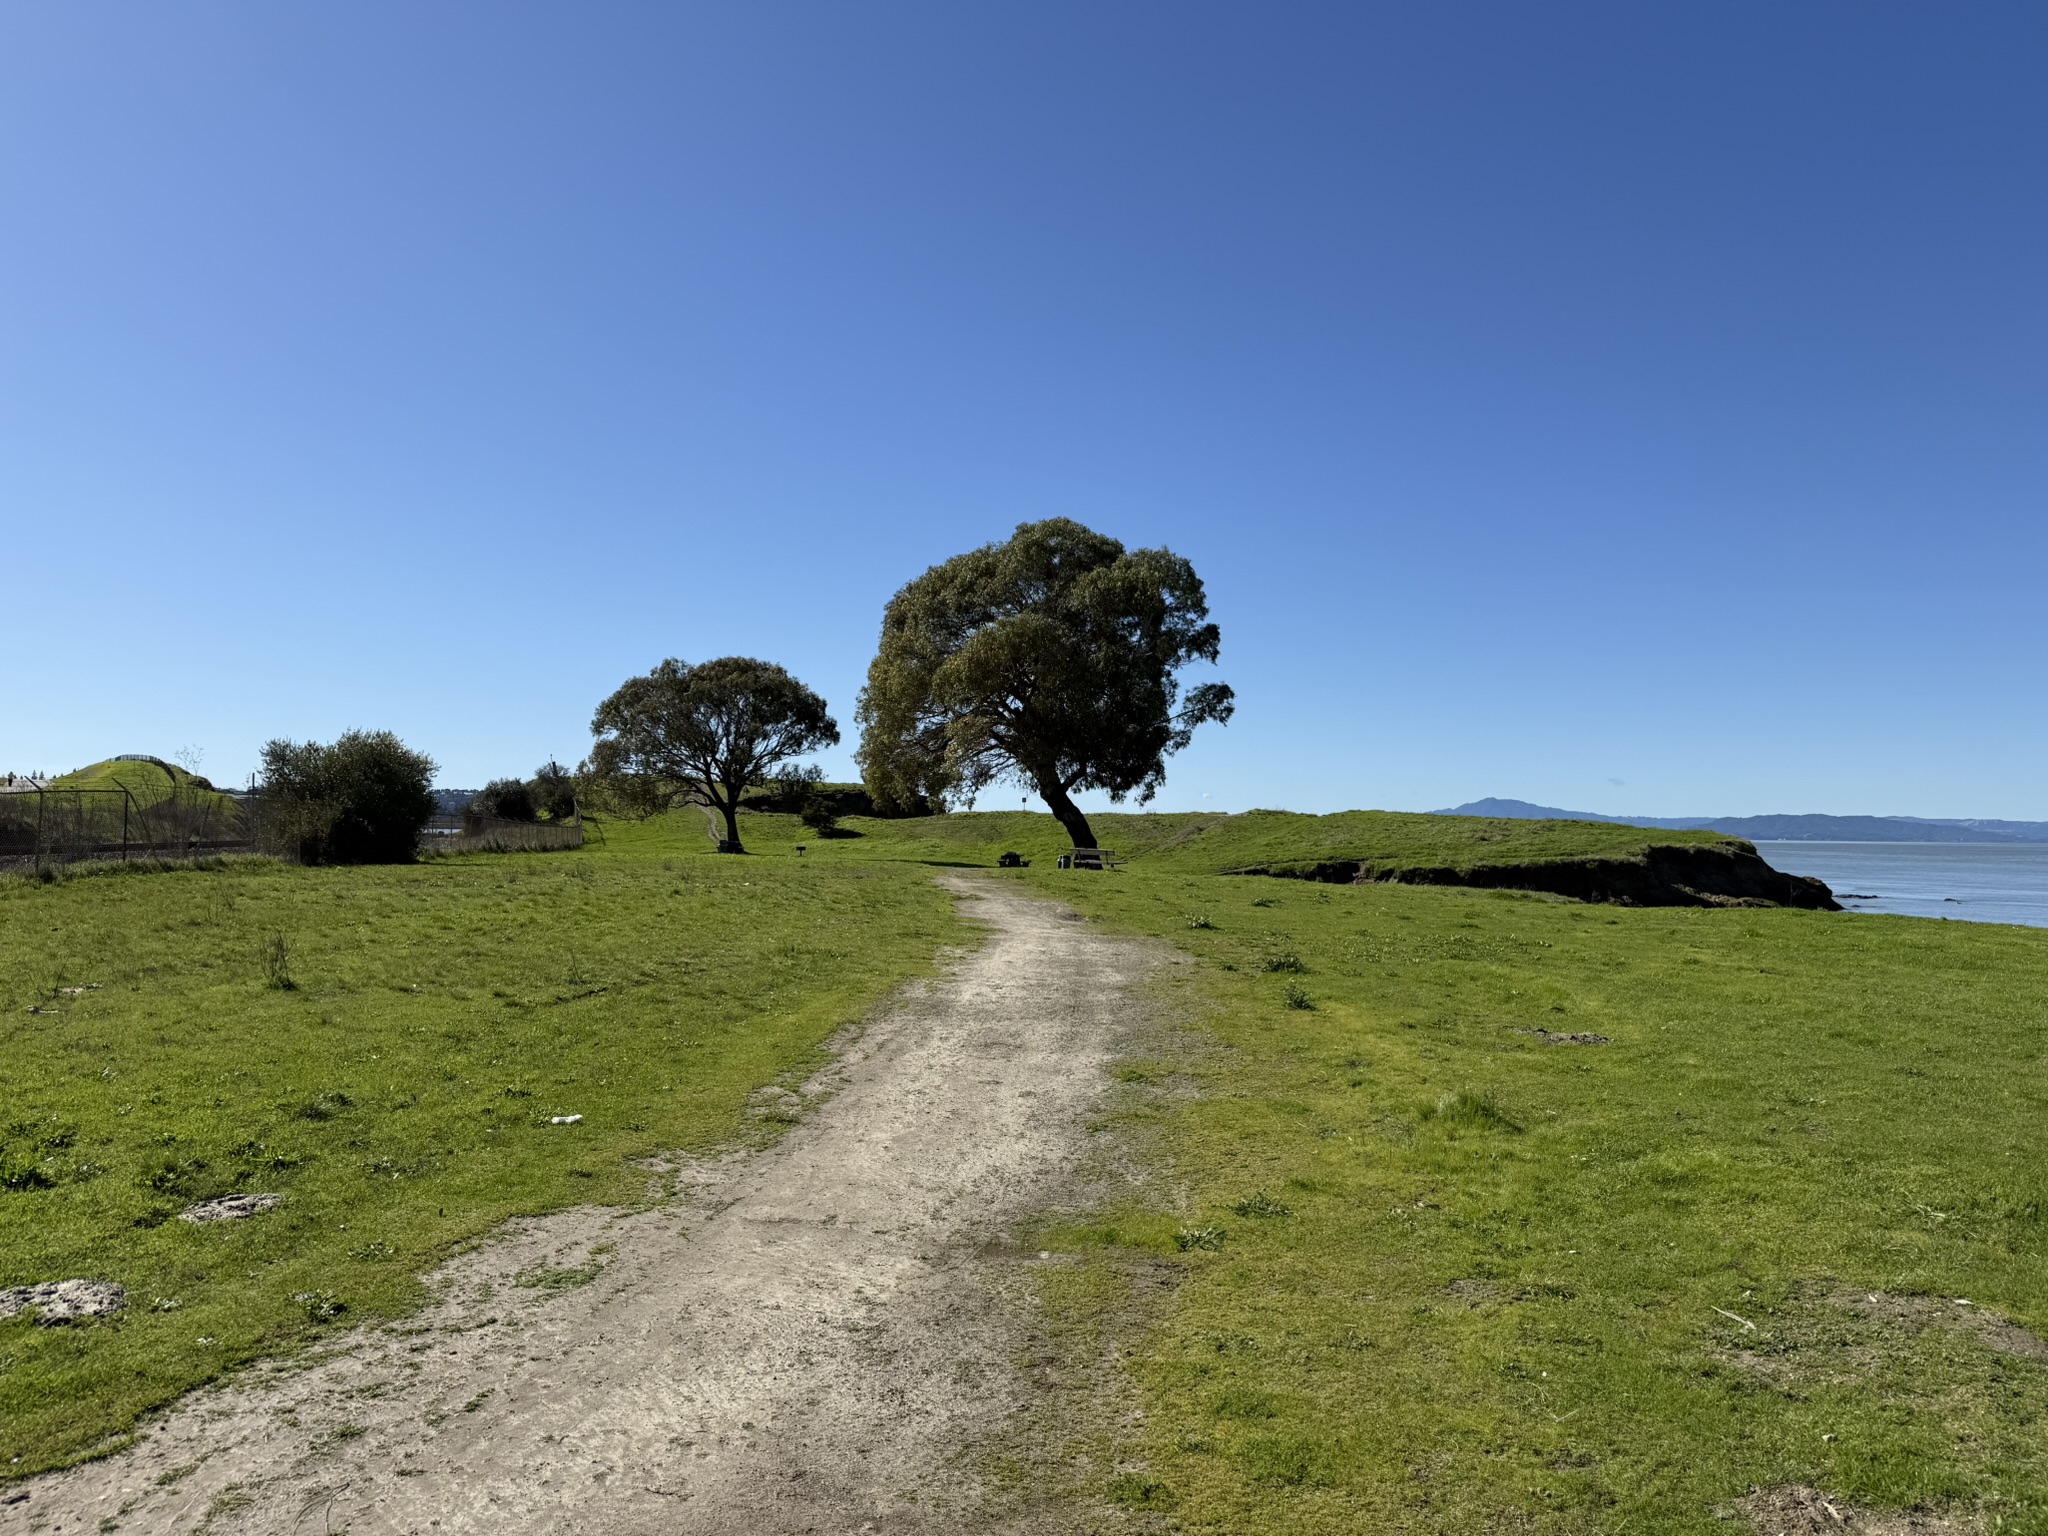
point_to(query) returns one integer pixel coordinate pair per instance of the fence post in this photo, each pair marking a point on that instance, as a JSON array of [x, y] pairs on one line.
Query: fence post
[[124, 823], [42, 816]]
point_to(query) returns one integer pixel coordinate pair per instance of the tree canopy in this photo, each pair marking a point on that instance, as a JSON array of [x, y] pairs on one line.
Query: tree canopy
[[707, 732], [362, 800], [553, 789], [502, 800], [1051, 659]]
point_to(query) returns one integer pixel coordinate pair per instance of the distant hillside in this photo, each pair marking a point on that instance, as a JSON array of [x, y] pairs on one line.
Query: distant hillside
[[1794, 829]]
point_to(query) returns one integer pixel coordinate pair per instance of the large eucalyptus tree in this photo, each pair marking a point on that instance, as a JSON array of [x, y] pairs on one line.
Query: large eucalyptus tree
[[1051, 659]]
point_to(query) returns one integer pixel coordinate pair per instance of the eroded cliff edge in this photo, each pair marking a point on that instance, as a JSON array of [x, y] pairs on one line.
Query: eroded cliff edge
[[1727, 874]]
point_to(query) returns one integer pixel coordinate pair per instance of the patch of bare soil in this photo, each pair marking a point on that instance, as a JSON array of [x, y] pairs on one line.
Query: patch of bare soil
[[1796, 1510], [819, 1337], [1917, 1313], [1828, 1333]]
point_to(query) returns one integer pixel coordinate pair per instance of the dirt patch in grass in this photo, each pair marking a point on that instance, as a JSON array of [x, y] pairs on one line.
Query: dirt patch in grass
[[1918, 1313], [1796, 1510], [1828, 1334]]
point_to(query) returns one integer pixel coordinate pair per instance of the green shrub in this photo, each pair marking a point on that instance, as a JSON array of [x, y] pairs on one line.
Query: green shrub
[[504, 800], [365, 799]]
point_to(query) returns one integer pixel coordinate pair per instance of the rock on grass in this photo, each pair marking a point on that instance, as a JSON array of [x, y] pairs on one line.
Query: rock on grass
[[63, 1301]]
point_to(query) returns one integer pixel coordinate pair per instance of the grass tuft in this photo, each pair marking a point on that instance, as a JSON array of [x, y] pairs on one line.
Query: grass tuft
[[277, 963], [1261, 1206], [1463, 1107], [1132, 1490], [321, 1306]]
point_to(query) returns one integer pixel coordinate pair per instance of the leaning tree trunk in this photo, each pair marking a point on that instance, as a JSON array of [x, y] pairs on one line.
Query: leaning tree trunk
[[1066, 813], [728, 808]]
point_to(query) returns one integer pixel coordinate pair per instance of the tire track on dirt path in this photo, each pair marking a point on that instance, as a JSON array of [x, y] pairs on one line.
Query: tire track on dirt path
[[810, 1342]]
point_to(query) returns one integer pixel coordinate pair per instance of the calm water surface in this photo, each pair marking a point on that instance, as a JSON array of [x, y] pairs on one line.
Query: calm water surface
[[1969, 882]]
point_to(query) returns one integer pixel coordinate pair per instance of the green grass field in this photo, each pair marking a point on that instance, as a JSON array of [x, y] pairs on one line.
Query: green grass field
[[1197, 843], [1442, 1275], [1435, 1272], [398, 1095]]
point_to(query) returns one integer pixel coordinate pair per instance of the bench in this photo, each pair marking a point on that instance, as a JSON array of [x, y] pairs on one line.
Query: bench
[[1089, 858]]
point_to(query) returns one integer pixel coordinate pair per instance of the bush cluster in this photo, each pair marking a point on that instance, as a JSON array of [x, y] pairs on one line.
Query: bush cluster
[[363, 799], [550, 795], [502, 800]]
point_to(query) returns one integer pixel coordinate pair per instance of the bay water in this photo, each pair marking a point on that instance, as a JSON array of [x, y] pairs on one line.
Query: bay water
[[1966, 882]]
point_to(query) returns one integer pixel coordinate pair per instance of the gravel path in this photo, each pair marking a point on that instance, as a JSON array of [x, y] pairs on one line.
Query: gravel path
[[814, 1339]]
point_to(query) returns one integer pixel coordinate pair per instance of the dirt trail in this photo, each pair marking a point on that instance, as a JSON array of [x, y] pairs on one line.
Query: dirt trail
[[806, 1343]]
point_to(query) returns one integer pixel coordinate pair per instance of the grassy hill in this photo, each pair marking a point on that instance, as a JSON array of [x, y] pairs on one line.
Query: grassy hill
[[1213, 843], [146, 779]]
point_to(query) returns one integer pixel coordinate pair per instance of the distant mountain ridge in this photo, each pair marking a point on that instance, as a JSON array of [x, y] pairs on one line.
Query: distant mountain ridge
[[1789, 829]]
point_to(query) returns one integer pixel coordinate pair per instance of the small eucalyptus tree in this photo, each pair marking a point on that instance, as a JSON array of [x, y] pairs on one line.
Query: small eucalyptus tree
[[708, 732], [1050, 659]]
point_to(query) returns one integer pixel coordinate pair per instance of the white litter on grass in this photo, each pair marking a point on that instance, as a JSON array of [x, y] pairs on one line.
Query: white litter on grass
[[229, 1208], [64, 1301], [566, 1120]]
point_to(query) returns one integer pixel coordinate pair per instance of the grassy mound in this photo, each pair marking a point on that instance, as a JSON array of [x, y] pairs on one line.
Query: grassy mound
[[147, 780]]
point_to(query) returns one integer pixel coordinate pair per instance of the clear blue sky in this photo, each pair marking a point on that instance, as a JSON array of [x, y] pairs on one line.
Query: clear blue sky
[[1637, 407]]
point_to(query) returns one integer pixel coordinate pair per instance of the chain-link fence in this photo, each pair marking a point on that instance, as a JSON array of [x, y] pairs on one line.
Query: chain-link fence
[[44, 826], [497, 834]]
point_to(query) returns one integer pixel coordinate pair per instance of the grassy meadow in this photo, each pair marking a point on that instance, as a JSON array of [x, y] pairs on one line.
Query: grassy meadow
[[398, 1092], [1482, 1211], [1442, 1274]]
